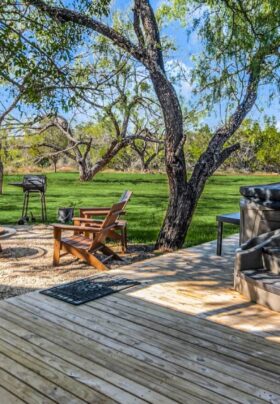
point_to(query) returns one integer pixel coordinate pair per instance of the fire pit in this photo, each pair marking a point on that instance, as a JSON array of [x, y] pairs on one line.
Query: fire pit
[[6, 232], [33, 184]]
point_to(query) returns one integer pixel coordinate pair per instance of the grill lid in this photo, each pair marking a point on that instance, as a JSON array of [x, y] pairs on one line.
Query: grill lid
[[32, 183]]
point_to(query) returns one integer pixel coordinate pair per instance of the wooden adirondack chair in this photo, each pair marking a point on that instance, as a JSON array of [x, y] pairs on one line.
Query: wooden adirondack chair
[[87, 242], [120, 230]]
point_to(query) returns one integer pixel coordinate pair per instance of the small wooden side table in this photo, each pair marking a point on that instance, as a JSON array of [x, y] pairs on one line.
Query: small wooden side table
[[232, 218]]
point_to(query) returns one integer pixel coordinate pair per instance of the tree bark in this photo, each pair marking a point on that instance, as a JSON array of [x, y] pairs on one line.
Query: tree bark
[[85, 173], [1, 177]]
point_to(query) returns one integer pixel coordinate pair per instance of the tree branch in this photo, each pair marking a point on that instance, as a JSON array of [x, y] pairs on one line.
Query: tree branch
[[62, 14], [58, 150], [137, 27], [152, 36], [225, 154]]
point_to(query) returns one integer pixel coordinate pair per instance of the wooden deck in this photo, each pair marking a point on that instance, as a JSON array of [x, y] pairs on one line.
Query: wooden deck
[[182, 336]]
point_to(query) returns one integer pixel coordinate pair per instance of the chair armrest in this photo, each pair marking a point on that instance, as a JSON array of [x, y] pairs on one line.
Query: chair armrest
[[94, 211], [90, 229], [86, 220], [81, 221], [99, 208]]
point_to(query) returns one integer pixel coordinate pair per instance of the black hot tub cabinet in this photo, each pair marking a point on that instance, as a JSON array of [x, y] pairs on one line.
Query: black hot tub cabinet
[[257, 261], [259, 210]]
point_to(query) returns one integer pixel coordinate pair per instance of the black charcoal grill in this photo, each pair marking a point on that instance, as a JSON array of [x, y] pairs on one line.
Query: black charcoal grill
[[33, 184]]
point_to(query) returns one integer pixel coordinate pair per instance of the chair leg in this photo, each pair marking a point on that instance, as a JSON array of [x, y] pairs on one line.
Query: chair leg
[[95, 262], [125, 237], [56, 247], [106, 250], [123, 240], [56, 253]]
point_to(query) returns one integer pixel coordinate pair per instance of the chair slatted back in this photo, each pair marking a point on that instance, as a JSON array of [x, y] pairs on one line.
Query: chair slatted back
[[125, 197], [108, 222], [113, 215]]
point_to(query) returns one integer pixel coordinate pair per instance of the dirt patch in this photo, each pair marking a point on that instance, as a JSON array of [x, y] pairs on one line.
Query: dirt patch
[[26, 262]]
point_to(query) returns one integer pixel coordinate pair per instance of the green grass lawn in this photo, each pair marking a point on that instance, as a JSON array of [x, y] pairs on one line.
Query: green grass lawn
[[145, 211]]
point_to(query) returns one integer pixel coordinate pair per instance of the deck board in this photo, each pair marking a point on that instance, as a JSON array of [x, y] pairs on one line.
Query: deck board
[[183, 335]]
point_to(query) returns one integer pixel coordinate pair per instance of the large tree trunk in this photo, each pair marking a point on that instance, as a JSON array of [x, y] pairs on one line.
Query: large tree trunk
[[183, 194], [85, 170], [181, 201]]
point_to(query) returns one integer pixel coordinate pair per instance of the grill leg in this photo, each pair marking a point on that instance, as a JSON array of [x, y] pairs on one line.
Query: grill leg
[[43, 206], [25, 204]]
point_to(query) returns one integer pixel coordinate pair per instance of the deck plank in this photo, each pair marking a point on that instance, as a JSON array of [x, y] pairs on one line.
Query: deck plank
[[81, 349], [182, 336], [216, 370], [38, 360], [18, 389], [8, 397]]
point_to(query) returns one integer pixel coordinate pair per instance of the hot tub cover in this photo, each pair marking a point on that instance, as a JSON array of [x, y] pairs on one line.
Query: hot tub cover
[[266, 192]]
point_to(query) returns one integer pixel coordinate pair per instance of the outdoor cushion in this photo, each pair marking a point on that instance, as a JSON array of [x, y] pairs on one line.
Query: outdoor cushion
[[266, 192]]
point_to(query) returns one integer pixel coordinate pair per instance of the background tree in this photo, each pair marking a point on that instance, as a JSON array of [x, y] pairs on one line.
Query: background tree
[[40, 145], [147, 152], [117, 94], [267, 145]]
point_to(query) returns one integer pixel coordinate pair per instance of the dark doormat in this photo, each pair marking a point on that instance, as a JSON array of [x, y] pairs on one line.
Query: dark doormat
[[85, 290]]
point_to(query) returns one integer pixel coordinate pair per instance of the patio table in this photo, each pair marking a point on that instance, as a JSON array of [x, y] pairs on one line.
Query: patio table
[[232, 218]]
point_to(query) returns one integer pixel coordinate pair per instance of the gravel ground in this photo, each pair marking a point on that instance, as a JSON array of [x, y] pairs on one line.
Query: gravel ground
[[26, 262]]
